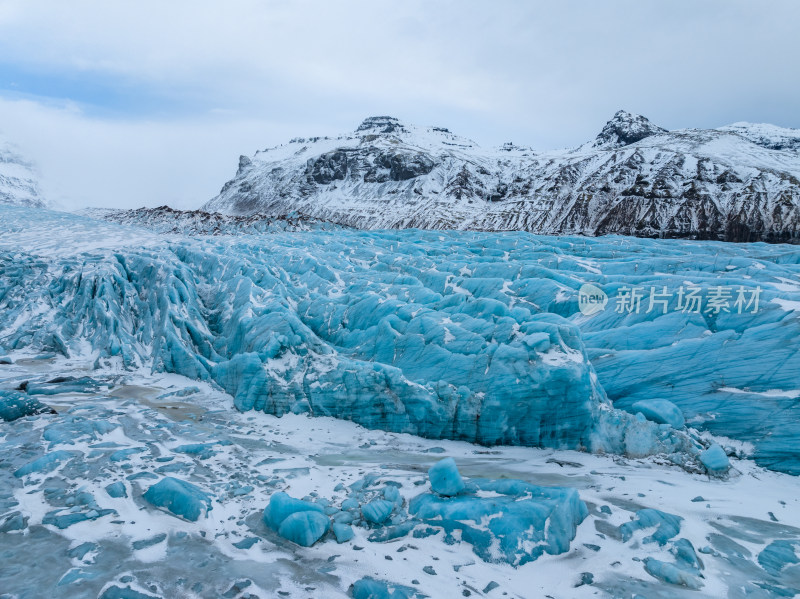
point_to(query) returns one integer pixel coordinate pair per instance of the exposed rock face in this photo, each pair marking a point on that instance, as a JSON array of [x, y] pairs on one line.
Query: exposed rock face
[[197, 222], [18, 180], [737, 183], [625, 129]]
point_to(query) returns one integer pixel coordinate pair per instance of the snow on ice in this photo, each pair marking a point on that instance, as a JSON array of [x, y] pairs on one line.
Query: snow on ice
[[167, 404]]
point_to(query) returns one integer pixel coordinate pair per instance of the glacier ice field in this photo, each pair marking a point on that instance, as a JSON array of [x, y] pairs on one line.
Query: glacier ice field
[[333, 412]]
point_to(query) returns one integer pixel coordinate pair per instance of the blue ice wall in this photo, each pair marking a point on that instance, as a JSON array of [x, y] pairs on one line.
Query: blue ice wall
[[460, 335]]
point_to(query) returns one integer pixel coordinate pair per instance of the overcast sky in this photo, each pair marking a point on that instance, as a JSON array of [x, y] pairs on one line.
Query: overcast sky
[[151, 102]]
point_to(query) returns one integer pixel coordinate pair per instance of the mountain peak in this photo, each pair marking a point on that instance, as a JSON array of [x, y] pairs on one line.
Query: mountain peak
[[380, 124], [19, 179], [626, 128]]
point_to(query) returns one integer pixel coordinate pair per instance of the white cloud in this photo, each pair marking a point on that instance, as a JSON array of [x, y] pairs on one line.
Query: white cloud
[[235, 76], [88, 161]]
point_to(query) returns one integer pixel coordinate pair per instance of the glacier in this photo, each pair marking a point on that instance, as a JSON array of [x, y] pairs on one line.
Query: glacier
[[180, 399], [467, 336]]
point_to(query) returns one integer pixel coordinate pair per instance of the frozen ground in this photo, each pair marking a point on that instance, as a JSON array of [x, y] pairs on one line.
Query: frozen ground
[[168, 358], [250, 456]]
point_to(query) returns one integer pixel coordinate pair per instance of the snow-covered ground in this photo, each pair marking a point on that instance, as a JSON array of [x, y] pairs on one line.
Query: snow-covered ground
[[247, 457]]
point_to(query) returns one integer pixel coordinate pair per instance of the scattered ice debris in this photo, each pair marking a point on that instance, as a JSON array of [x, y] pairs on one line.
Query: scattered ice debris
[[504, 520], [80, 423], [686, 568], [179, 497], [508, 520], [256, 457]]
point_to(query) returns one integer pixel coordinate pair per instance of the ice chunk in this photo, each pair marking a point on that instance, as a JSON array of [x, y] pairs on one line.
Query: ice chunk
[[620, 432], [777, 555], [46, 463], [516, 523], [123, 455], [281, 506], [377, 511], [660, 411], [370, 588], [80, 551], [179, 497], [343, 532], [389, 533], [72, 427], [14, 521], [117, 592], [684, 553], [445, 478], [63, 384], [304, 527], [15, 405], [64, 519], [671, 573], [202, 450], [667, 526], [145, 543], [246, 543], [715, 459]]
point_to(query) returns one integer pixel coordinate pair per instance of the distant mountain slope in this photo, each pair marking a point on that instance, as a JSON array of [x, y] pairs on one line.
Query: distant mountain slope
[[197, 222], [19, 184], [737, 183]]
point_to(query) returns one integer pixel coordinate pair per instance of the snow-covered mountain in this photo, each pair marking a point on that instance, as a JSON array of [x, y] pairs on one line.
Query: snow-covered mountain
[[18, 179], [737, 183]]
